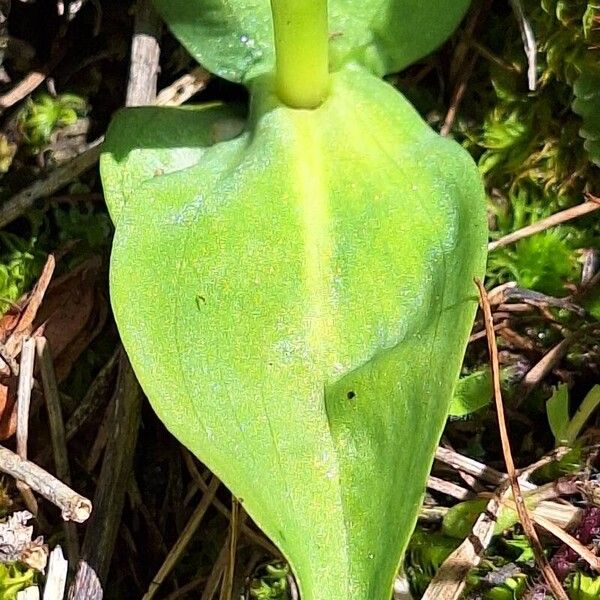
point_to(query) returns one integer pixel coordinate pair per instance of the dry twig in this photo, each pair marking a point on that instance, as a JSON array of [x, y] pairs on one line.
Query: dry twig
[[563, 216], [73, 506], [23, 404]]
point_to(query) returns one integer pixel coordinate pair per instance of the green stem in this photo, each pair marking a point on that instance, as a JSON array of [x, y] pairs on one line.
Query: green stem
[[301, 48]]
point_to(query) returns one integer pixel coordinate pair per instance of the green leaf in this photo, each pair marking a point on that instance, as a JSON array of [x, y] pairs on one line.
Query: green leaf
[[234, 38], [583, 587], [567, 430], [584, 412], [557, 410], [471, 393], [459, 520], [296, 303]]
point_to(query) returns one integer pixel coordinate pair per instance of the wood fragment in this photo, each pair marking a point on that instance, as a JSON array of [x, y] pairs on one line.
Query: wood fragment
[[449, 488], [23, 405], [475, 468], [184, 88], [86, 585], [22, 89], [94, 397], [56, 579], [101, 534], [145, 54], [184, 539], [592, 205], [524, 517], [541, 369], [101, 438], [30, 593], [56, 179], [450, 580], [73, 506]]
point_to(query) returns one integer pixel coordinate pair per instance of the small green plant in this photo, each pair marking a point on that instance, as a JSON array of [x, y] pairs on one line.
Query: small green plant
[[20, 263], [272, 583], [44, 113], [296, 300], [14, 577]]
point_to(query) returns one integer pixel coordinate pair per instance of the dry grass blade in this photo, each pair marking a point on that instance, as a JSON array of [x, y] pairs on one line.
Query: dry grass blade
[[563, 216], [57, 434], [27, 85], [529, 43], [549, 575], [474, 468], [227, 588], [184, 539], [212, 585], [252, 535]]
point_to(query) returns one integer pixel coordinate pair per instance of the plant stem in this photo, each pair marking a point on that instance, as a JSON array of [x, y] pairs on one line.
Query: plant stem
[[301, 48]]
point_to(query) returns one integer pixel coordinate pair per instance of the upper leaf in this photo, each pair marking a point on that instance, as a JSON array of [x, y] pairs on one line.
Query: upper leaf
[[234, 38], [296, 303]]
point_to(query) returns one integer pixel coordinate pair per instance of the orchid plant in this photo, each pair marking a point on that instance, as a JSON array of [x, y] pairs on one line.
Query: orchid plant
[[294, 287]]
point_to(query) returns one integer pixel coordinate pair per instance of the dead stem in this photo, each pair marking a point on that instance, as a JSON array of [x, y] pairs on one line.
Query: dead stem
[[549, 575]]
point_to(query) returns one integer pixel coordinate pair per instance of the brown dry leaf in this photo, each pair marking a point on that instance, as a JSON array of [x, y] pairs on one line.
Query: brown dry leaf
[[17, 323], [72, 314], [8, 413], [14, 326]]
